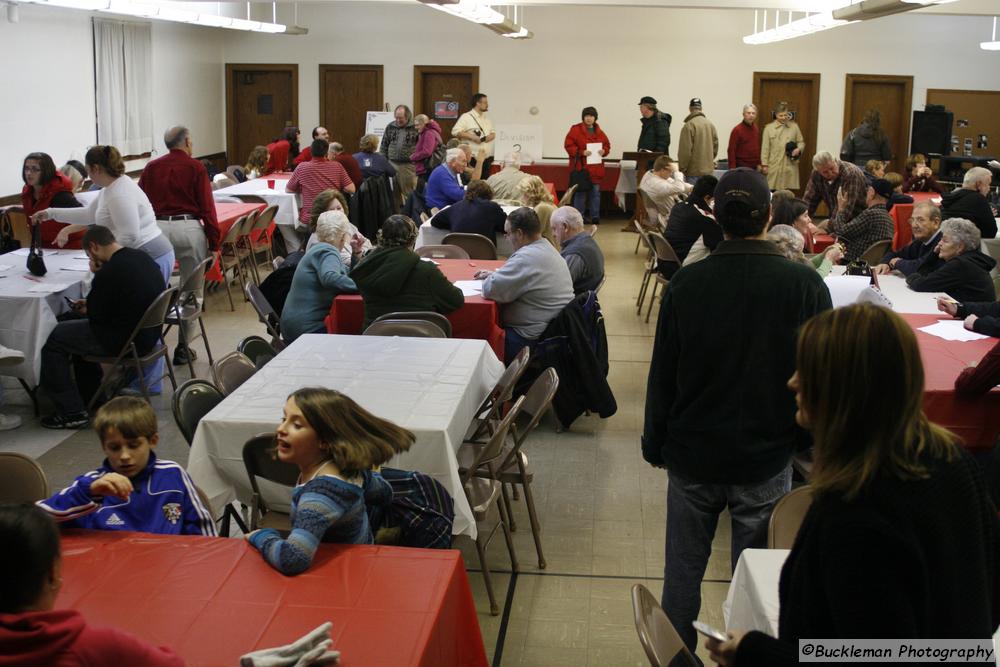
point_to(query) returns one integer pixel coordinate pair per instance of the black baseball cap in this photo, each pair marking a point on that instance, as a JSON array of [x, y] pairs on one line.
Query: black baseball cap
[[695, 102], [746, 186], [648, 100], [882, 187]]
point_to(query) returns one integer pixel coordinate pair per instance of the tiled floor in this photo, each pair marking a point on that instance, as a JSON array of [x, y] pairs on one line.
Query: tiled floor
[[601, 507]]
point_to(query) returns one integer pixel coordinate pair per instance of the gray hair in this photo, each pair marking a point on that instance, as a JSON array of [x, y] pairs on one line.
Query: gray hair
[[750, 106], [175, 136], [975, 175], [823, 157], [331, 225], [962, 231], [452, 154], [569, 216], [336, 147], [421, 118], [933, 210], [789, 241]]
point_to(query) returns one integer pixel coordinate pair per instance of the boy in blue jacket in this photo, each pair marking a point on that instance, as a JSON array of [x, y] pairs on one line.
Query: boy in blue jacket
[[132, 489]]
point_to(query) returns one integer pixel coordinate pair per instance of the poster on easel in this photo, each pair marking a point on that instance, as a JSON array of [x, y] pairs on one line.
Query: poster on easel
[[376, 121]]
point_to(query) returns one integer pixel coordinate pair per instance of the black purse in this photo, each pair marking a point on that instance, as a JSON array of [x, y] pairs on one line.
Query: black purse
[[581, 179], [860, 267], [8, 243], [35, 263]]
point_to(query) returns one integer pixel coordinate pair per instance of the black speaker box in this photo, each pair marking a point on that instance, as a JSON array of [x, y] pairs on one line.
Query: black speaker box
[[931, 132]]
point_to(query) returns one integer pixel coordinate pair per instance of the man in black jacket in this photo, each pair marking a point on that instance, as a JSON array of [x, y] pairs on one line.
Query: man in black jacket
[[719, 416], [655, 135], [969, 202], [126, 282]]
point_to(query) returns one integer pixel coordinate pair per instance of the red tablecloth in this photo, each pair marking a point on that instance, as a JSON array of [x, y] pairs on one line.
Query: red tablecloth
[[214, 599], [903, 233], [558, 175], [975, 420], [923, 196], [478, 318], [552, 191], [821, 242], [228, 214]]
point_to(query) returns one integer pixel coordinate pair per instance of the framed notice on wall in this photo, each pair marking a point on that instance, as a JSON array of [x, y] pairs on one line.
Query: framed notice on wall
[[375, 122], [446, 109]]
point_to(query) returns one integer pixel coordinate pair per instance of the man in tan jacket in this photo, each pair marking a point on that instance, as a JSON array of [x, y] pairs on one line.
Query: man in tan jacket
[[699, 144]]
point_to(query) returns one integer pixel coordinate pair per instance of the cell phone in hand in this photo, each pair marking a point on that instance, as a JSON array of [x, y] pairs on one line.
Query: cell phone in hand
[[709, 631]]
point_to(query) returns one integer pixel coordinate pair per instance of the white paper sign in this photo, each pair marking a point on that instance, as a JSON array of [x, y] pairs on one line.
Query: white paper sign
[[375, 122], [595, 156], [526, 139], [952, 330]]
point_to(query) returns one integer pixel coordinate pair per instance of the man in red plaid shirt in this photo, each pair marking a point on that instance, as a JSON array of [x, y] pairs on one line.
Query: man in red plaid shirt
[[319, 174]]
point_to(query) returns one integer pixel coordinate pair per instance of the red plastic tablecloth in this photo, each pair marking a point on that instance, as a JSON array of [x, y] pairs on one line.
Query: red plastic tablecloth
[[228, 214], [213, 599], [975, 420], [821, 242], [903, 232], [558, 175], [478, 318]]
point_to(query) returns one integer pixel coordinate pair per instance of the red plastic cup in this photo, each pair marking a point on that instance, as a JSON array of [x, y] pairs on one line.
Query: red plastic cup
[[270, 184]]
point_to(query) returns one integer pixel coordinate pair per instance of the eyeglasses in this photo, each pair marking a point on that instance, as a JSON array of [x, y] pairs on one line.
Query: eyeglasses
[[32, 168]]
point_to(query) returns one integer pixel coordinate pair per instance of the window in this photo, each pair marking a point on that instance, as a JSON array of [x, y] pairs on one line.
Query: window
[[123, 73]]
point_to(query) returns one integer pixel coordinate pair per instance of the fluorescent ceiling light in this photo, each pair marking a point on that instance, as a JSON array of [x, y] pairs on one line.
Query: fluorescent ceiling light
[[471, 10], [162, 12], [797, 28], [993, 45]]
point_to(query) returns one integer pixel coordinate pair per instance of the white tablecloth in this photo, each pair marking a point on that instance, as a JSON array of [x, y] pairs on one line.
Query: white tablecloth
[[752, 601], [428, 234], [430, 386], [903, 299], [27, 318], [288, 204]]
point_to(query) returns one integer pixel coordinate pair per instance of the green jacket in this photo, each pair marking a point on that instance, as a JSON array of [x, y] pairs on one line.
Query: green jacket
[[395, 279], [718, 409], [655, 135]]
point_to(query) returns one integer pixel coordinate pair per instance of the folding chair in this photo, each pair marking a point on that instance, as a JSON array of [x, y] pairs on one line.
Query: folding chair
[[430, 316], [266, 314], [129, 357], [488, 413], [664, 253], [231, 371], [876, 252], [258, 350], [442, 252], [229, 251], [787, 516], [405, 328], [193, 400], [23, 479], [187, 308], [657, 634], [567, 198], [477, 245], [261, 463]]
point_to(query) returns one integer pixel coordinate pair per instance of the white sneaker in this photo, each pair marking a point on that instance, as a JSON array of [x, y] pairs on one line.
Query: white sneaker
[[9, 357], [9, 422]]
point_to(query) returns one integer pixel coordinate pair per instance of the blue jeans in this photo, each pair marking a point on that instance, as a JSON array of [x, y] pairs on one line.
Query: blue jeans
[[692, 514], [512, 344], [154, 373], [69, 380], [593, 198]]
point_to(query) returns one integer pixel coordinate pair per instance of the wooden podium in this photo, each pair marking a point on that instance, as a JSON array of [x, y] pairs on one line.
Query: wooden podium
[[643, 163]]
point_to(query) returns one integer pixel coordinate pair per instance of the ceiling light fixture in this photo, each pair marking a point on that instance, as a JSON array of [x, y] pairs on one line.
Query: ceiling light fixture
[[993, 45], [483, 14], [152, 10]]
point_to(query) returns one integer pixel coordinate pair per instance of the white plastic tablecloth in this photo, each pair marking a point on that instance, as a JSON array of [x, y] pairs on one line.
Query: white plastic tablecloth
[[287, 203], [28, 317], [429, 386], [752, 601]]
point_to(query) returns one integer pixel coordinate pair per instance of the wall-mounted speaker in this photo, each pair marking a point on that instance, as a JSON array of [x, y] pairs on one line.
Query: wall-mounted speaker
[[931, 132]]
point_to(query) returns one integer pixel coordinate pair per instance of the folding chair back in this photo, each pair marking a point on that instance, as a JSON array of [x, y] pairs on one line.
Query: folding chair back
[[430, 316], [406, 328], [193, 400], [567, 198], [787, 516], [657, 634], [876, 251], [260, 462], [442, 252], [489, 454], [231, 371], [265, 312], [477, 245], [662, 248], [23, 479], [258, 350]]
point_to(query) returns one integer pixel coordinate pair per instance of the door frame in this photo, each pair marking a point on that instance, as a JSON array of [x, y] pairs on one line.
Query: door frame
[[418, 82], [233, 68], [323, 69], [849, 79], [812, 128]]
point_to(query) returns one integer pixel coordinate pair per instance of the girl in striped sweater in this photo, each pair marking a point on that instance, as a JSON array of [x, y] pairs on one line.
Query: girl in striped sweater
[[335, 443]]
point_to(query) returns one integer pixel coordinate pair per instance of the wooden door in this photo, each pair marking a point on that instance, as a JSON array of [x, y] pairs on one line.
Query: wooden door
[[261, 100], [801, 92], [893, 97], [346, 93], [444, 93]]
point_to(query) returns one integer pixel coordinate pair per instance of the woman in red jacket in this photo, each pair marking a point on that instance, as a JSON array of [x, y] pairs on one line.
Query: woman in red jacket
[[35, 634], [578, 144], [45, 187], [283, 150]]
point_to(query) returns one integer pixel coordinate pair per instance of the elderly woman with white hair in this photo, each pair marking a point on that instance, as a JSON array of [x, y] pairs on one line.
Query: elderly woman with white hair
[[970, 201], [319, 277], [791, 243], [965, 272]]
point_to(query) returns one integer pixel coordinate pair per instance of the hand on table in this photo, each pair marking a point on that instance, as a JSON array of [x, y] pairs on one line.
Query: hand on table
[[724, 653], [970, 322], [834, 253], [947, 306], [112, 484], [482, 274], [881, 269]]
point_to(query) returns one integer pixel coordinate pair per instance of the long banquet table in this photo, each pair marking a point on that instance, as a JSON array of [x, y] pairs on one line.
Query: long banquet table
[[212, 599], [429, 386], [478, 318]]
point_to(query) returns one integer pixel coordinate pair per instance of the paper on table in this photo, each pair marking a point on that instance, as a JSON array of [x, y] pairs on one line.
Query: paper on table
[[595, 153], [23, 252], [470, 287], [952, 330], [845, 290], [49, 287]]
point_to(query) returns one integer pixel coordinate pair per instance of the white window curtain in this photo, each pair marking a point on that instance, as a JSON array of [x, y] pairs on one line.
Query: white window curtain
[[123, 63]]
